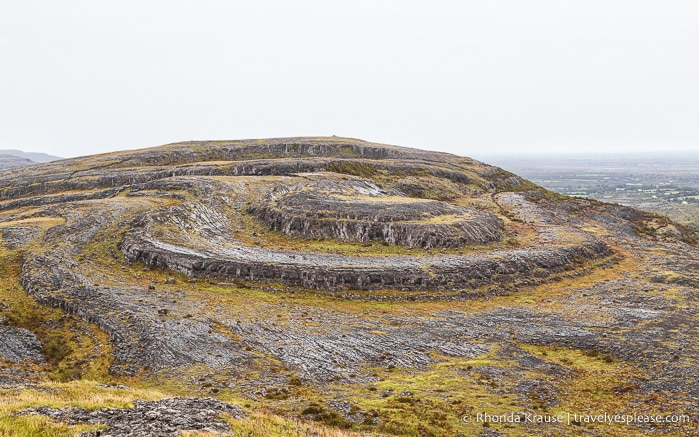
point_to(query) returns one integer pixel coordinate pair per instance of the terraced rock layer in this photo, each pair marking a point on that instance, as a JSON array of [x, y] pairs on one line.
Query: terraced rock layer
[[351, 215]]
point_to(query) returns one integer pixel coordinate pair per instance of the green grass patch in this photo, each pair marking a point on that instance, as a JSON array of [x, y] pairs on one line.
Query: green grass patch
[[431, 402], [68, 342]]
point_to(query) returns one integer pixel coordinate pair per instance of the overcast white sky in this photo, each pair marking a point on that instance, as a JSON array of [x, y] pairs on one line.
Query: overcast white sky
[[467, 77]]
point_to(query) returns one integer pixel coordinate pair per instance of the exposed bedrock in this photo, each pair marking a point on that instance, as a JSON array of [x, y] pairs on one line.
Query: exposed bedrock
[[97, 183], [199, 241], [395, 220], [130, 317], [371, 273], [414, 235], [17, 344], [162, 418]]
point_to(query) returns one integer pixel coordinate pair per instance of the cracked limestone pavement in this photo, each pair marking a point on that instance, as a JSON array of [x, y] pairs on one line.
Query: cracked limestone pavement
[[360, 285]]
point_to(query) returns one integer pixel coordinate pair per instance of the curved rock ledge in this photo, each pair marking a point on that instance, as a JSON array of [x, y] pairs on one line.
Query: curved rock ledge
[[343, 273], [368, 215]]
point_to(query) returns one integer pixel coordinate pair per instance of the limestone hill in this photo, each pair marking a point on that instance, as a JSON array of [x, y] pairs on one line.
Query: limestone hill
[[355, 285]]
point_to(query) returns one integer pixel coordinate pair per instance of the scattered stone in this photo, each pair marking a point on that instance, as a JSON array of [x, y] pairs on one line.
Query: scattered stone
[[161, 418]]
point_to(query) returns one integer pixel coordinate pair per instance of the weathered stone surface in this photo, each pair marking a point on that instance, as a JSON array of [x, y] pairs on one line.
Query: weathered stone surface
[[218, 257], [17, 236], [360, 211], [344, 274], [163, 418], [17, 344]]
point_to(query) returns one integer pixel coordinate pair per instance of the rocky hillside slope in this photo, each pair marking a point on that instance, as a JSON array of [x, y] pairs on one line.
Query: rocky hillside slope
[[363, 286]]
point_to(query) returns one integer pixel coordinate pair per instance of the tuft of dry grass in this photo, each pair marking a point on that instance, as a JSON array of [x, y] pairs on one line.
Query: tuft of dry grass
[[265, 424]]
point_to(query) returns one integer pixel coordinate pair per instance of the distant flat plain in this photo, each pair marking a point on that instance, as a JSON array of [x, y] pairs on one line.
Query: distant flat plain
[[664, 183]]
